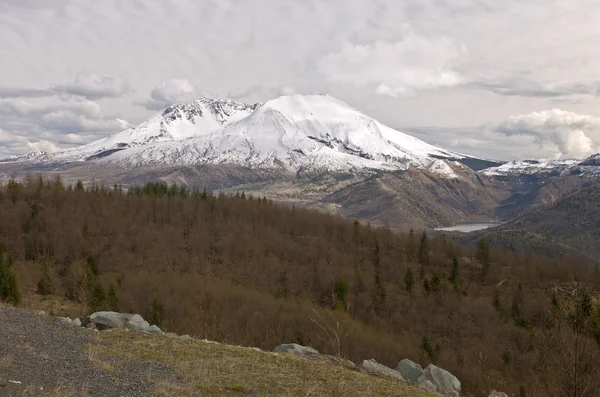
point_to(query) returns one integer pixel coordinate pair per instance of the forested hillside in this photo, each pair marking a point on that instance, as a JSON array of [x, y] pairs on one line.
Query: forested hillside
[[243, 270]]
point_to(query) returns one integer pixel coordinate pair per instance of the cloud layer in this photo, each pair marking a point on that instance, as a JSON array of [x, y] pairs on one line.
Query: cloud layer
[[94, 86], [395, 68], [439, 64], [574, 135], [167, 93]]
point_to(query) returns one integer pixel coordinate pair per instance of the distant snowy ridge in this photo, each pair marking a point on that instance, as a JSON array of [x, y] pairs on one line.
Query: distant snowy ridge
[[308, 132], [589, 166]]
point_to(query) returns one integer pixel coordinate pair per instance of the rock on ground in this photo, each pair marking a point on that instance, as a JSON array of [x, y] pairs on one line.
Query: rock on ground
[[409, 370], [495, 393], [111, 320], [373, 367], [445, 383], [296, 349], [342, 361], [153, 329]]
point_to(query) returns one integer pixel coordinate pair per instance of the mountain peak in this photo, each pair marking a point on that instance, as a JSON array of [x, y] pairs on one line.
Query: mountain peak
[[309, 132]]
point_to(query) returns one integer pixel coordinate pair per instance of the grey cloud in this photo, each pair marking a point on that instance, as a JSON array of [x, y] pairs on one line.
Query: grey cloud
[[527, 88], [94, 86], [168, 93], [32, 3], [8, 92], [85, 84]]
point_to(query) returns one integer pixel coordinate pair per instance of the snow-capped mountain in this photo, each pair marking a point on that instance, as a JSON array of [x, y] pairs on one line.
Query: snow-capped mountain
[[299, 132], [175, 123], [587, 167]]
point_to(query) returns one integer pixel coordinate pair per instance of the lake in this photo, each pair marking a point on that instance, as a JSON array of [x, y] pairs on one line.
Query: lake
[[468, 227]]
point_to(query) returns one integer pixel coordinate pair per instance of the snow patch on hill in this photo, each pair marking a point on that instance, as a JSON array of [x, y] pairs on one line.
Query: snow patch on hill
[[589, 166]]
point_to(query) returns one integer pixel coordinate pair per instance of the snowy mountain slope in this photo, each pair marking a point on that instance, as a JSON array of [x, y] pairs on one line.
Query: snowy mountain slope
[[299, 132], [308, 132], [175, 123], [588, 167]]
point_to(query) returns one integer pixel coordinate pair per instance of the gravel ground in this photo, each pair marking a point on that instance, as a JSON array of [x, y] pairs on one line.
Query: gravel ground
[[41, 355]]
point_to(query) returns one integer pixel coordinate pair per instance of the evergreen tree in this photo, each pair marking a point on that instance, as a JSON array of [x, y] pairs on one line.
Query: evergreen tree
[[555, 303], [421, 273], [483, 257], [9, 285], [157, 313], [517, 308], [454, 273], [113, 300], [409, 280], [98, 296], [379, 292], [426, 285], [92, 263], [431, 351], [411, 246], [424, 250], [45, 286], [340, 293], [436, 281]]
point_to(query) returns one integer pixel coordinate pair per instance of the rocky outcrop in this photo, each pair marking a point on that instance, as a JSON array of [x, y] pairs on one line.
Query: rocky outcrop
[[374, 368], [443, 381], [409, 370], [296, 349], [104, 321]]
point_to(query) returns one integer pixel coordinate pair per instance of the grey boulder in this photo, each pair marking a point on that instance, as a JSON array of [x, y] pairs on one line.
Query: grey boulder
[[296, 349], [153, 329], [444, 382], [112, 320], [495, 393], [374, 368], [409, 370]]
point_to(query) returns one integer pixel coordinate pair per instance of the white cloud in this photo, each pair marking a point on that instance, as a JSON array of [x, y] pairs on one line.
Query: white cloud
[[94, 86], [394, 68], [42, 126], [167, 93], [572, 134]]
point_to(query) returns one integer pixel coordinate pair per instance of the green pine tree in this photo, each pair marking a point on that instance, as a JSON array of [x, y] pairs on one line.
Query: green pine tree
[[483, 257], [45, 285], [340, 293], [98, 296], [409, 280], [9, 285], [424, 250], [113, 300]]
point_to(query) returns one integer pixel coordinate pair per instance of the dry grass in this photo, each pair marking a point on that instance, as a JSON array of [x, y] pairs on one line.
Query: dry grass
[[210, 369], [53, 305], [94, 355]]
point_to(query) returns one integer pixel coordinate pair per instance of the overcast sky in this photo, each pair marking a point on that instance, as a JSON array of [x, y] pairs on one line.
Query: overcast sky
[[502, 79]]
